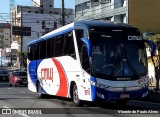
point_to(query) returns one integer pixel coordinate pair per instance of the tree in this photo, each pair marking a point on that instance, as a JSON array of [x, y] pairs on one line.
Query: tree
[[23, 59], [156, 62]]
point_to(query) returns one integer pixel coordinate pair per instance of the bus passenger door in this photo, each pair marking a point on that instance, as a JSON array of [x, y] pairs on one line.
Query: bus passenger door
[[85, 59], [84, 87]]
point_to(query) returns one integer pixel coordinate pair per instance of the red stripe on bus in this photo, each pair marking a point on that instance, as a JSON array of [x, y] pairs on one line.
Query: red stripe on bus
[[63, 90]]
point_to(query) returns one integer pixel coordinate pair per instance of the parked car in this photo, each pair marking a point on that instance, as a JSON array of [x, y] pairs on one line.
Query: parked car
[[17, 78], [3, 75]]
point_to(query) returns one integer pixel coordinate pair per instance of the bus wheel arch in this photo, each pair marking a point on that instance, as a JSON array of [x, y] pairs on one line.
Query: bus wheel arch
[[38, 88], [74, 94]]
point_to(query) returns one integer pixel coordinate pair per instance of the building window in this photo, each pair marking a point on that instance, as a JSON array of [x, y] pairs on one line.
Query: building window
[[78, 7], [43, 24], [36, 11], [50, 12], [41, 11], [95, 2], [86, 5], [105, 1], [29, 11], [50, 5]]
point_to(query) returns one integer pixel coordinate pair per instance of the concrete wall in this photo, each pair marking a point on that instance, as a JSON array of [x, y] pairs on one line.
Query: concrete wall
[[145, 15]]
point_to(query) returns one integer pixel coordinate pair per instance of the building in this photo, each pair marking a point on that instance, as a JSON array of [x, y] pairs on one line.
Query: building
[[31, 22], [113, 10], [139, 13], [5, 37]]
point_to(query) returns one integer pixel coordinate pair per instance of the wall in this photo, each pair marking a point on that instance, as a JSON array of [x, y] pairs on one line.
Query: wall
[[145, 15]]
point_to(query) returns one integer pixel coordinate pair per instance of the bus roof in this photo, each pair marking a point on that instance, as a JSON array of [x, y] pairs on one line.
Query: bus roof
[[88, 24]]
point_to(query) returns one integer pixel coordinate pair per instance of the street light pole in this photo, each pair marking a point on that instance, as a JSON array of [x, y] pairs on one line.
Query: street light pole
[[63, 14], [21, 32]]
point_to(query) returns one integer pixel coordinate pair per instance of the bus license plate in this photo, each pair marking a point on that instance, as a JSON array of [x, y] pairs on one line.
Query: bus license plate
[[124, 96]]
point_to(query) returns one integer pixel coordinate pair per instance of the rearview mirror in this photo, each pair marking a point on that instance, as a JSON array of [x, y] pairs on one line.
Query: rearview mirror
[[87, 42], [152, 46]]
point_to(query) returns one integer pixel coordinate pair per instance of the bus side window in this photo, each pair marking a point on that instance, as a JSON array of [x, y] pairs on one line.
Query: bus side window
[[42, 49], [59, 46], [29, 52], [33, 52], [50, 47], [69, 45]]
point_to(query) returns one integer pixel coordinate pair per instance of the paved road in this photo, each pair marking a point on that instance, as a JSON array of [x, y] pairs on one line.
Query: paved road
[[22, 98]]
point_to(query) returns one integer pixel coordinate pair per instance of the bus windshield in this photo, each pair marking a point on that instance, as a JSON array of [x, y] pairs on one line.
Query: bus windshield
[[114, 54]]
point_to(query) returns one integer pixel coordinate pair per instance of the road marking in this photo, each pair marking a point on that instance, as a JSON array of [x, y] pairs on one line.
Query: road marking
[[17, 90], [17, 113], [23, 91]]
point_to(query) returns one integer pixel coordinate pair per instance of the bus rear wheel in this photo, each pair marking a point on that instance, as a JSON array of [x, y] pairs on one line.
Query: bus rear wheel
[[40, 94], [75, 97]]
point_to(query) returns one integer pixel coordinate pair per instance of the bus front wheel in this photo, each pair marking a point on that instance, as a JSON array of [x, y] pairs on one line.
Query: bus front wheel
[[75, 97]]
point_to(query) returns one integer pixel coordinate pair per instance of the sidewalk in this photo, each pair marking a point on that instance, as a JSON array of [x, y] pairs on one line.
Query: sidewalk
[[153, 97]]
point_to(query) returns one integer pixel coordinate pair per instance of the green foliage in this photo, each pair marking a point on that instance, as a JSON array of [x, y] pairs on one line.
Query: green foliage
[[22, 58], [154, 38]]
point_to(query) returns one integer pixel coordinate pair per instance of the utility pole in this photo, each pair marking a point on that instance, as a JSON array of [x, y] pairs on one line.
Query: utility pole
[[21, 31], [63, 14]]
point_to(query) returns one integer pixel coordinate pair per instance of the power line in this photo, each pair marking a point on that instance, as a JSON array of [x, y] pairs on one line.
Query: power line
[[3, 18]]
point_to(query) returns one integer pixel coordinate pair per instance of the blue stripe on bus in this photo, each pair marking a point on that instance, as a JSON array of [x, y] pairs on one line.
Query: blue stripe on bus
[[93, 89], [51, 35], [33, 65]]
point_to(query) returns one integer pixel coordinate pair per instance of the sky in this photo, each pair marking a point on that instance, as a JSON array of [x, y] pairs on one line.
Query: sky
[[5, 6]]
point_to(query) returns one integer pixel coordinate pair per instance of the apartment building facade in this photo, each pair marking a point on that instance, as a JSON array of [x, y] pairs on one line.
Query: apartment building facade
[[5, 37], [42, 18], [139, 13], [113, 10]]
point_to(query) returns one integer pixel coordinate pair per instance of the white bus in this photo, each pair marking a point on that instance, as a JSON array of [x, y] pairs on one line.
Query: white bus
[[89, 61]]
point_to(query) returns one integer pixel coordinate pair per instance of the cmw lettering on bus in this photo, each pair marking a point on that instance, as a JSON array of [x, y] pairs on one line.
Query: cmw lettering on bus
[[47, 73]]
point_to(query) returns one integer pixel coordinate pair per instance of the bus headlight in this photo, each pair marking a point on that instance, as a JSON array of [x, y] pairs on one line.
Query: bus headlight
[[93, 83], [100, 95]]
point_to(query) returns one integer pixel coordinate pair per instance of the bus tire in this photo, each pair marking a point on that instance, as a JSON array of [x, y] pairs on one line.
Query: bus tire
[[75, 97], [40, 94], [10, 84]]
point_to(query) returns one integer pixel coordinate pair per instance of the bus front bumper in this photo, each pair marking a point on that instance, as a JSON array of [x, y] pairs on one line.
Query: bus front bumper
[[104, 95]]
